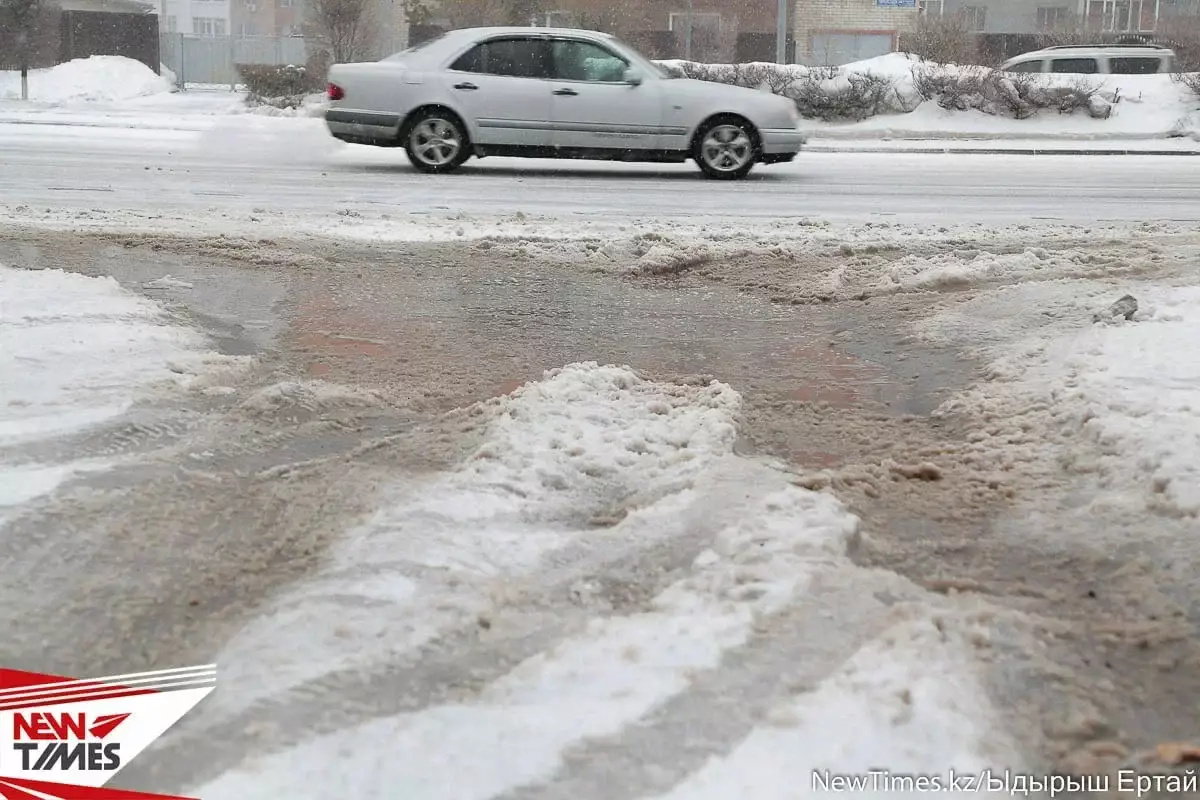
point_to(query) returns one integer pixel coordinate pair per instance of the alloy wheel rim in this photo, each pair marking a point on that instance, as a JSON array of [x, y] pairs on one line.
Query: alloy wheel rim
[[436, 141], [726, 148]]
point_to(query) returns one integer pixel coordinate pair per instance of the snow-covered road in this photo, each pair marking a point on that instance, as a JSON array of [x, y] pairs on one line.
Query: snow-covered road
[[291, 165]]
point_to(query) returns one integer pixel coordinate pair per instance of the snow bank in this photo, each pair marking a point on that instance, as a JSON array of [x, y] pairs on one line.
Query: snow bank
[[1142, 106], [76, 351], [1131, 391], [96, 78], [1122, 397]]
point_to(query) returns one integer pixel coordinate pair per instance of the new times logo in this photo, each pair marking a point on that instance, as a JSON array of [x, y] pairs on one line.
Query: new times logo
[[64, 738]]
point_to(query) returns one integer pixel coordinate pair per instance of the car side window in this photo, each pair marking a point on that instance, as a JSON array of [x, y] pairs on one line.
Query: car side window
[[470, 61], [517, 58], [1087, 66], [575, 60], [1133, 66], [1026, 66]]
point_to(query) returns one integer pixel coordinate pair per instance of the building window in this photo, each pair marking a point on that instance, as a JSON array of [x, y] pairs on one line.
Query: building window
[[172, 24], [1053, 18], [286, 3], [247, 29], [931, 7], [707, 20], [208, 26], [975, 17]]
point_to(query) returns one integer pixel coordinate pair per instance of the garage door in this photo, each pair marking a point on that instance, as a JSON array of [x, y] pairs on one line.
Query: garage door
[[842, 48]]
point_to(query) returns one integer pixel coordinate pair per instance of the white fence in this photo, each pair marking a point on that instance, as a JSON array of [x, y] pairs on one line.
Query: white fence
[[212, 59]]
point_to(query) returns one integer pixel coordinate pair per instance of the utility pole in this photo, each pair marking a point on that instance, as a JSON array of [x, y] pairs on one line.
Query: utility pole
[[687, 34], [781, 33]]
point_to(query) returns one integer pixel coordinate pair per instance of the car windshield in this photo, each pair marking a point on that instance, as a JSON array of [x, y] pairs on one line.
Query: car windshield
[[643, 62]]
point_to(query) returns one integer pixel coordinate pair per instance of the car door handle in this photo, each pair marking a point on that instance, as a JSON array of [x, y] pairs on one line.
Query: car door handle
[[468, 86], [566, 92]]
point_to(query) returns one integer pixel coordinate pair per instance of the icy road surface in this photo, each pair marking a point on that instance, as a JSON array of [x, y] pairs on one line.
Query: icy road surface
[[292, 165]]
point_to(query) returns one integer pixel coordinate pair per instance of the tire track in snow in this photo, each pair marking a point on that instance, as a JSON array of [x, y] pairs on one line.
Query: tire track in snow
[[594, 684], [788, 654]]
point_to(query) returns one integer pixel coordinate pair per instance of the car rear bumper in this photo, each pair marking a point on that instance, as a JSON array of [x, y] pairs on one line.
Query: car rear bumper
[[349, 125], [779, 141]]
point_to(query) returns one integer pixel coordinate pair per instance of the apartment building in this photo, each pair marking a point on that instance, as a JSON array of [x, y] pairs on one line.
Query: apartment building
[[199, 17], [1054, 16]]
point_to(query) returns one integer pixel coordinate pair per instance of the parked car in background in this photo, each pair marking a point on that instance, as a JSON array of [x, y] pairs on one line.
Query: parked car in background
[[1095, 59], [553, 93]]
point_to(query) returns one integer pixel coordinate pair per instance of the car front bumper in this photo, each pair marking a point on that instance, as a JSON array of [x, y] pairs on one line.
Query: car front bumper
[[780, 141]]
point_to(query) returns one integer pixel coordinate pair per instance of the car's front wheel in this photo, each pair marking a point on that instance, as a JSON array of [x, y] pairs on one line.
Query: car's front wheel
[[726, 148], [436, 141]]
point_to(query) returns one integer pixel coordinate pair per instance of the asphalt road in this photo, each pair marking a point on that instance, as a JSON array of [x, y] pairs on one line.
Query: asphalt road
[[291, 165]]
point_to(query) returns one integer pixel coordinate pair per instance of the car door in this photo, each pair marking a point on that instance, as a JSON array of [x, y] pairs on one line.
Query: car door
[[593, 107], [501, 85]]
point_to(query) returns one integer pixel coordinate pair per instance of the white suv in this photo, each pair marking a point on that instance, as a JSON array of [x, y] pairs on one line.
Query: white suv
[[1095, 59]]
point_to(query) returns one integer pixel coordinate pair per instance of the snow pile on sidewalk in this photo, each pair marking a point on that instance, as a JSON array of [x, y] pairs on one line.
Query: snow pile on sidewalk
[[93, 79], [76, 351], [888, 102], [1123, 395], [591, 471]]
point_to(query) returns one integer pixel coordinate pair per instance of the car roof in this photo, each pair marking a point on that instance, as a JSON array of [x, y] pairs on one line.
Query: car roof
[[523, 30], [1069, 50]]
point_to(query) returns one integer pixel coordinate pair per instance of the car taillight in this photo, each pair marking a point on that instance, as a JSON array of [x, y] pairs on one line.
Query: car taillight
[[335, 92]]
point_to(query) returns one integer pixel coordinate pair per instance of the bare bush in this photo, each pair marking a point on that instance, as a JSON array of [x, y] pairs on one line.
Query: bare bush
[[944, 39], [1015, 94], [826, 93], [1190, 80], [857, 96], [278, 86], [1182, 34], [346, 28]]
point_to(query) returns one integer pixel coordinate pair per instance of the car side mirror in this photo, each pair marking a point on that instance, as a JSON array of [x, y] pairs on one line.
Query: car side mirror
[[633, 76]]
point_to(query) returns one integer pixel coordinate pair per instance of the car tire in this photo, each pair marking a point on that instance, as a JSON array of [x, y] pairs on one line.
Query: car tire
[[726, 148], [436, 141]]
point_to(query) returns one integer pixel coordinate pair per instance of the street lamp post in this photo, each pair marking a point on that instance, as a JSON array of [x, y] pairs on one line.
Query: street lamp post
[[687, 33], [781, 33]]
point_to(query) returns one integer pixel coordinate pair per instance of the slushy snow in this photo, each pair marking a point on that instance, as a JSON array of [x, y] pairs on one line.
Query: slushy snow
[[1123, 396], [75, 352], [587, 441]]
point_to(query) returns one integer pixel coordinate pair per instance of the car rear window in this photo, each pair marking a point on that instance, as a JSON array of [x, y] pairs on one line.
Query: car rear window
[[418, 46], [1086, 66], [1134, 65]]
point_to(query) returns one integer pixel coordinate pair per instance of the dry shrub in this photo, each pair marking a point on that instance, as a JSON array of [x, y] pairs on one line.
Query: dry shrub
[[944, 39], [279, 86], [1011, 94], [818, 92]]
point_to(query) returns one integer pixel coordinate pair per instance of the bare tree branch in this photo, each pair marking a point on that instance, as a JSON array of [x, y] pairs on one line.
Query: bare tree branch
[[345, 27]]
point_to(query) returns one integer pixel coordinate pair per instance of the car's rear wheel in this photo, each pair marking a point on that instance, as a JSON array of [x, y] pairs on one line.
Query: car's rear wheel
[[726, 148], [436, 141]]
